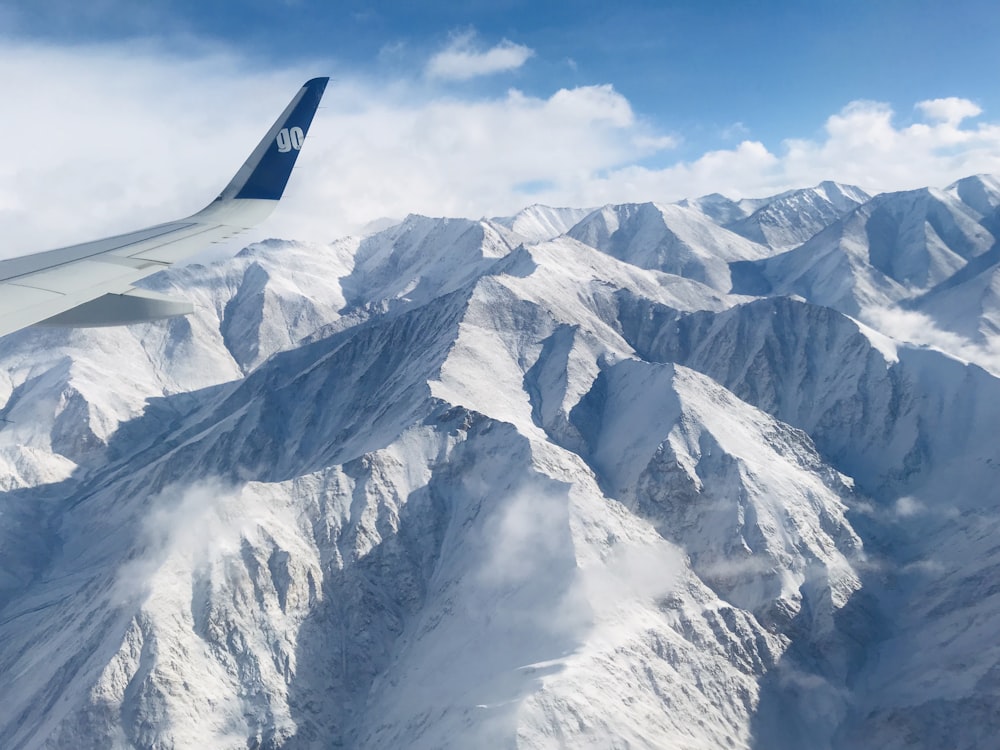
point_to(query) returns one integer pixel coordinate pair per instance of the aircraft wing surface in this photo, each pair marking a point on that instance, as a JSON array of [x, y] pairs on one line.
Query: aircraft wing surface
[[92, 284]]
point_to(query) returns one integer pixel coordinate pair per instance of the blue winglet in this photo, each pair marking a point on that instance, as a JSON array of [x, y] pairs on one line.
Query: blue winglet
[[264, 175]]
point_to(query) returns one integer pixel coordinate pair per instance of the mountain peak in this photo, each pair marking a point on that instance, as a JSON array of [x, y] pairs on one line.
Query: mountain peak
[[538, 223], [667, 237], [979, 192], [793, 217]]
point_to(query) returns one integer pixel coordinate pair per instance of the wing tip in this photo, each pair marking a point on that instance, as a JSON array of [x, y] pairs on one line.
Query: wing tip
[[264, 175]]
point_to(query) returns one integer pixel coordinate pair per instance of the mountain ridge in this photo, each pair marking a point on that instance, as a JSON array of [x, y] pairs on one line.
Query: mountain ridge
[[535, 481]]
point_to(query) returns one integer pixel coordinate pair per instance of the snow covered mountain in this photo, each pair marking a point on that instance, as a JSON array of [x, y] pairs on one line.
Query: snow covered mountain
[[890, 249], [540, 481], [668, 238], [538, 223], [785, 220], [789, 219]]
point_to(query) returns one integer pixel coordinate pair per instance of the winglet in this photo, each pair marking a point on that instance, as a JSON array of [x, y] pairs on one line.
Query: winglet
[[264, 175]]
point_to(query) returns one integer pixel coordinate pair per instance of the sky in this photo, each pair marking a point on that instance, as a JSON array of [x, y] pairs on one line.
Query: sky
[[121, 114]]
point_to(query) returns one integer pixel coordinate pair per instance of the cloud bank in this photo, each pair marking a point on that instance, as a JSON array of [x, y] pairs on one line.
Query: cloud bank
[[109, 138]]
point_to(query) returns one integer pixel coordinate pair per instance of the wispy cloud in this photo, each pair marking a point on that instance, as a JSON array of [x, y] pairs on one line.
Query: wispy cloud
[[736, 131], [918, 328], [187, 526], [462, 59]]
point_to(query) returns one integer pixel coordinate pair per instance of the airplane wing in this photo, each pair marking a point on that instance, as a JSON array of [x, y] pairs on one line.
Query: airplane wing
[[91, 284]]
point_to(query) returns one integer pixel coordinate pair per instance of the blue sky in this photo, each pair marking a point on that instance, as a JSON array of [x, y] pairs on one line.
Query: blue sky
[[697, 68], [679, 98]]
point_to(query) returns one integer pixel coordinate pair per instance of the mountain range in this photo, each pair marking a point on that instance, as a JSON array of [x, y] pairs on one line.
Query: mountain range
[[719, 473]]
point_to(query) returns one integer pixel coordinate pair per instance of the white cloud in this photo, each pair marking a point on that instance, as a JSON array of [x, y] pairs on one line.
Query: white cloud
[[116, 137], [112, 138], [460, 60], [187, 526], [918, 328], [908, 506], [950, 110], [861, 145], [864, 146]]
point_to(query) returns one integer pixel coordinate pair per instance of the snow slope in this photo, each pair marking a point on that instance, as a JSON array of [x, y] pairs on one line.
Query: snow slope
[[892, 248], [536, 482], [669, 238], [789, 219], [538, 223]]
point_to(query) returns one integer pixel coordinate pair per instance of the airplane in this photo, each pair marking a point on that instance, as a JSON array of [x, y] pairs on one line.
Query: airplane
[[91, 284]]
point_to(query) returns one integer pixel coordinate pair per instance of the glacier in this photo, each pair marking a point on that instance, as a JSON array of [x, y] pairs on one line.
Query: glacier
[[719, 473]]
